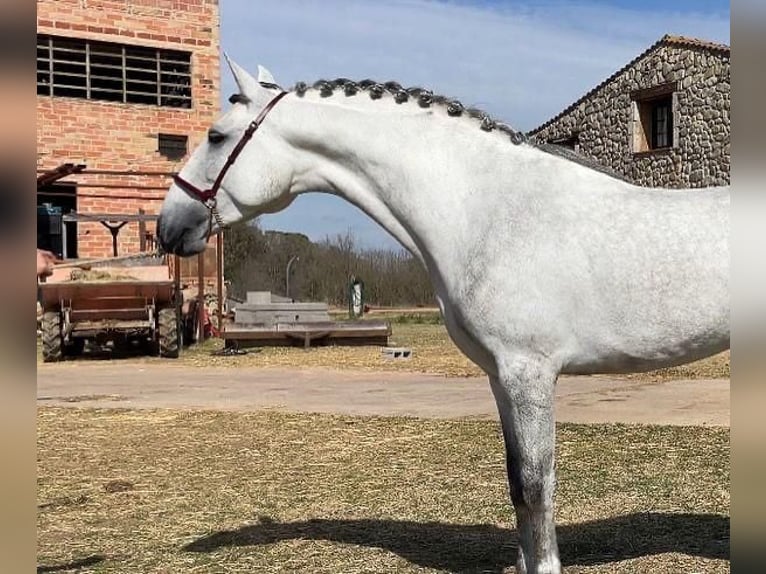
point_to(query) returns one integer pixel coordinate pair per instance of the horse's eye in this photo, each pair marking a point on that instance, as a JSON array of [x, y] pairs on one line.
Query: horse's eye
[[215, 137]]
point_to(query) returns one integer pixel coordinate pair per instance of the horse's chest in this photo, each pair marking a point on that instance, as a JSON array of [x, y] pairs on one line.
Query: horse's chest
[[461, 335]]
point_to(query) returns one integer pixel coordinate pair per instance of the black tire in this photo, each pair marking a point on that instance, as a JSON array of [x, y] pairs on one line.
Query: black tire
[[52, 337], [168, 333]]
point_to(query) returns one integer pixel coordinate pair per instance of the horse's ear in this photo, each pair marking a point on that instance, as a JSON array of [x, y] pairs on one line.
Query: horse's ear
[[265, 78], [248, 86]]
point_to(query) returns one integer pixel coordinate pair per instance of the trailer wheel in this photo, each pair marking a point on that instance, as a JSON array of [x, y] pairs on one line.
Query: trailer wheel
[[52, 337], [167, 326]]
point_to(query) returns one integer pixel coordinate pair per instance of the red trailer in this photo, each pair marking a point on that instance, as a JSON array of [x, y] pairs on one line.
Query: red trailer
[[144, 310]]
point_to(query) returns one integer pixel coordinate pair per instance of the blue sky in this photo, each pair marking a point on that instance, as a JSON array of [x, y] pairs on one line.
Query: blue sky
[[521, 61]]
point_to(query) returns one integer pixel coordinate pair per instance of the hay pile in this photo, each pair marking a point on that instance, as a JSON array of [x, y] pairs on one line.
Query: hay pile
[[95, 275]]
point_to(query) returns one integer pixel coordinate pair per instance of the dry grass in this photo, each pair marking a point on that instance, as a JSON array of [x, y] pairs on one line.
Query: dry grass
[[169, 492], [433, 352], [715, 367]]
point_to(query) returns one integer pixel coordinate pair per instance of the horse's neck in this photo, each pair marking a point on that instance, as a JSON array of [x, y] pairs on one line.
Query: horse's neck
[[429, 181]]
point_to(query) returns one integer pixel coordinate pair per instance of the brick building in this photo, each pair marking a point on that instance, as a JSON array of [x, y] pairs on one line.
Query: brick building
[[125, 88], [662, 120]]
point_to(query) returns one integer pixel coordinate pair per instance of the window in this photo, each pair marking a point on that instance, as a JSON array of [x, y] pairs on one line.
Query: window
[[653, 119], [54, 234], [172, 147], [662, 123], [572, 142], [76, 68]]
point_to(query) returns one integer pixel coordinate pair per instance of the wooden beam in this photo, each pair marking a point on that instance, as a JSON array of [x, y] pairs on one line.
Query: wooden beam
[[141, 232], [219, 273], [201, 297]]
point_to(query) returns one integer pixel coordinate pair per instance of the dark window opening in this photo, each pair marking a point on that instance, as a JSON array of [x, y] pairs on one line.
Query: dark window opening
[[572, 142], [653, 118], [107, 71], [53, 234], [173, 147], [662, 123]]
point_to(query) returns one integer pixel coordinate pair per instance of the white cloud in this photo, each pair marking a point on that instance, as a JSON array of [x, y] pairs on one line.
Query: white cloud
[[522, 63]]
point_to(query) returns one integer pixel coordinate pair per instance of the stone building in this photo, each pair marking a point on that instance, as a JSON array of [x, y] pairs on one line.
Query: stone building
[[125, 88], [663, 120]]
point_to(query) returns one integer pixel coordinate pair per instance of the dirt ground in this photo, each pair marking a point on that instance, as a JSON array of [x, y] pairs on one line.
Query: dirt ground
[[212, 464], [127, 491], [148, 385]]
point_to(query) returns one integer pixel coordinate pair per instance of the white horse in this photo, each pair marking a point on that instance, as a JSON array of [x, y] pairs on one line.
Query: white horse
[[541, 265]]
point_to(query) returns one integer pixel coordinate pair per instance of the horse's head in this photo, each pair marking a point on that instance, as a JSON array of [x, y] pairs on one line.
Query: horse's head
[[237, 173]]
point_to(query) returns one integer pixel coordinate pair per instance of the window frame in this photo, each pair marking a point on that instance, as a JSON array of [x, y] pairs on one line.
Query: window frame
[[108, 71], [645, 104]]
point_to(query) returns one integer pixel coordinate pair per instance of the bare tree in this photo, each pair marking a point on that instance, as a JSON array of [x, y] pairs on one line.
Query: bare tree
[[257, 260]]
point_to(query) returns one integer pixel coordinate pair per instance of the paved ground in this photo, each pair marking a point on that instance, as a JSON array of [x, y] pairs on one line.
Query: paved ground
[[579, 399]]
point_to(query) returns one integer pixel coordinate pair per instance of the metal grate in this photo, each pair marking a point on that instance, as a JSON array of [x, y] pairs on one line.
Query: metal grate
[[76, 68]]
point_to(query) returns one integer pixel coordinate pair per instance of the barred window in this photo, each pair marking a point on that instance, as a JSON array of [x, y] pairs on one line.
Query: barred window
[[93, 70]]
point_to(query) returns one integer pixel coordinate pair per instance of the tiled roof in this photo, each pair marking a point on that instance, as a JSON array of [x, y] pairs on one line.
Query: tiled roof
[[695, 43], [666, 40]]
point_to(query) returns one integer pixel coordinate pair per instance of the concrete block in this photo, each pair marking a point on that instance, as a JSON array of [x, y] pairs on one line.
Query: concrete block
[[272, 313], [258, 297], [397, 353]]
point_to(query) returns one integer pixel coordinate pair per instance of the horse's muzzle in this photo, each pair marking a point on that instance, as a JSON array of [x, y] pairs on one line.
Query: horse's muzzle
[[183, 240]]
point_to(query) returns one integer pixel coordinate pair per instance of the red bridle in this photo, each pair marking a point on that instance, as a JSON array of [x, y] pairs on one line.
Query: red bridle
[[207, 196]]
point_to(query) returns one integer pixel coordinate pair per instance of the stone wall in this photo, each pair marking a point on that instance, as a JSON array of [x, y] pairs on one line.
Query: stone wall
[[605, 120]]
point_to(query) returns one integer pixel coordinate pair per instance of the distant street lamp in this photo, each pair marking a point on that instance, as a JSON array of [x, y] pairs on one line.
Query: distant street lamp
[[287, 278]]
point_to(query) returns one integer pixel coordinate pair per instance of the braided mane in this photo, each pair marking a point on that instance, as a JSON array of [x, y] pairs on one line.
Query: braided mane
[[423, 97], [454, 108]]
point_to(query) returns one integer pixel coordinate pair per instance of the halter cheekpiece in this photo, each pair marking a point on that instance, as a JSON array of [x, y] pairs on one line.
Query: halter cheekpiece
[[208, 196]]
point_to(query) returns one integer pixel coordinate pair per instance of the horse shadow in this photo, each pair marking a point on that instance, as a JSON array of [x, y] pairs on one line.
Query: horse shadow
[[73, 565], [467, 548]]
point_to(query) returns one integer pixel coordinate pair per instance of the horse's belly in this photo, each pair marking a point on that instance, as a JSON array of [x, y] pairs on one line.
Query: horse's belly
[[639, 355]]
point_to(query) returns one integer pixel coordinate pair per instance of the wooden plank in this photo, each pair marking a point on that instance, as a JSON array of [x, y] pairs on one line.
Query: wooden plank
[[53, 293], [318, 326], [255, 335], [190, 266], [108, 314], [201, 297], [98, 217], [314, 330], [109, 303], [307, 337], [219, 278], [141, 232], [378, 340], [93, 328]]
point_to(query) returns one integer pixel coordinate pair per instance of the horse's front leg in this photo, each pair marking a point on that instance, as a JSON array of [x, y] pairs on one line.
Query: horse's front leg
[[524, 391]]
